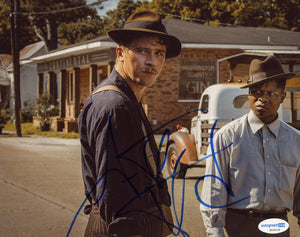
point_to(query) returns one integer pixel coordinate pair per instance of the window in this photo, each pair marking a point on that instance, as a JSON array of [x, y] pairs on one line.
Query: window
[[241, 102], [204, 104]]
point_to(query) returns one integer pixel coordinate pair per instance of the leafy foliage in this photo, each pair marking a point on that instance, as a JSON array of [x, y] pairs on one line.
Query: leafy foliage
[[256, 13], [183, 8], [44, 109], [26, 32], [81, 30], [117, 17], [41, 20], [45, 25]]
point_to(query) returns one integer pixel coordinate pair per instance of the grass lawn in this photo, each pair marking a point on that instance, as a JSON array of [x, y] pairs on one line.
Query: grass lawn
[[28, 129]]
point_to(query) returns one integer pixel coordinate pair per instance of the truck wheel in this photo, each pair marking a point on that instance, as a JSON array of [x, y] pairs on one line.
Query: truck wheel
[[172, 156]]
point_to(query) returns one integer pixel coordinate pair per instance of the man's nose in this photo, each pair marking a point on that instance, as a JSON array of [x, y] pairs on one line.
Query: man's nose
[[150, 59], [264, 97]]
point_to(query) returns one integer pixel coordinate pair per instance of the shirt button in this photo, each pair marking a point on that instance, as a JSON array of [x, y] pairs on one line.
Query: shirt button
[[268, 156], [267, 139], [269, 190], [269, 173]]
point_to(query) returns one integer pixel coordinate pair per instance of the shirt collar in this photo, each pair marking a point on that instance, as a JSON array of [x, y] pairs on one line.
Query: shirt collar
[[256, 124]]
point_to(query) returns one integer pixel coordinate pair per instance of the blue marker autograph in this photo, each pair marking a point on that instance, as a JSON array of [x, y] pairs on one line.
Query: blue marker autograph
[[178, 220]]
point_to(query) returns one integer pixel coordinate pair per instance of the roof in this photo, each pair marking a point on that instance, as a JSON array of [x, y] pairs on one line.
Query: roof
[[194, 35], [32, 50], [189, 33]]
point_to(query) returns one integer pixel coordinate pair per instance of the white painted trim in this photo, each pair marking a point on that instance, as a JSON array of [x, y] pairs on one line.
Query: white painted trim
[[273, 51], [72, 50], [229, 46]]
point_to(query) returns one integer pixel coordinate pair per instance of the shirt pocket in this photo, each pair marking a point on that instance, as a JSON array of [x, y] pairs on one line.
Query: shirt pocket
[[287, 179]]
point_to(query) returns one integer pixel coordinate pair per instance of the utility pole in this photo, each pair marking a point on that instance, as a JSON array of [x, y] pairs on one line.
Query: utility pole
[[14, 21]]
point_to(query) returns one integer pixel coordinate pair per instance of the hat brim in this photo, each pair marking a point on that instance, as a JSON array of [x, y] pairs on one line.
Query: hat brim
[[173, 44], [286, 76]]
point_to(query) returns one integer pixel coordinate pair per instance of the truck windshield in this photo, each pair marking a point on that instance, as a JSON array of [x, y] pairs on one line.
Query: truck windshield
[[241, 102]]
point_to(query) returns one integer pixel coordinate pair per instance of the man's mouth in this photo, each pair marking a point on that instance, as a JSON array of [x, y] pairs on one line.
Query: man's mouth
[[260, 107], [149, 70]]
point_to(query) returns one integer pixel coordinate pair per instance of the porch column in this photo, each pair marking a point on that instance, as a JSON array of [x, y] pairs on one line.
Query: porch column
[[62, 101], [76, 93], [93, 77], [40, 82], [52, 86]]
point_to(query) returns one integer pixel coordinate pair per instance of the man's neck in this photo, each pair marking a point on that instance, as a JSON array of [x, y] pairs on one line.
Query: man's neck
[[138, 90]]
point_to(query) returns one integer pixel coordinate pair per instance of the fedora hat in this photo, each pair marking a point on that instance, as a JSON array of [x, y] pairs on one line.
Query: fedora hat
[[146, 22], [268, 69]]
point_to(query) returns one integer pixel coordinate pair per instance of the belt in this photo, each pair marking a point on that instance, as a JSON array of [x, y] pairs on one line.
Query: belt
[[258, 214]]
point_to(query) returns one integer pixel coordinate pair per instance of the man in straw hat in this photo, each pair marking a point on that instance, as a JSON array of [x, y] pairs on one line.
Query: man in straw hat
[[254, 173], [120, 159]]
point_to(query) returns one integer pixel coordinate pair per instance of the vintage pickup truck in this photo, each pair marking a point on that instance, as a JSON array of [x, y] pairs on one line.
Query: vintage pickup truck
[[221, 103]]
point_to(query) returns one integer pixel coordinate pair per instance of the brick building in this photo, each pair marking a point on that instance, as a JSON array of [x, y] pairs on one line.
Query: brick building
[[209, 55]]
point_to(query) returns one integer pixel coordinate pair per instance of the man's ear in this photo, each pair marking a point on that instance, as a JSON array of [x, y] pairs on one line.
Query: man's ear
[[120, 53], [283, 95]]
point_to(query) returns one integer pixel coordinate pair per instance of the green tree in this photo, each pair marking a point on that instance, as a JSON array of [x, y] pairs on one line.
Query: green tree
[[195, 10], [42, 19], [283, 14], [116, 18], [269, 13], [81, 30], [46, 15], [26, 32]]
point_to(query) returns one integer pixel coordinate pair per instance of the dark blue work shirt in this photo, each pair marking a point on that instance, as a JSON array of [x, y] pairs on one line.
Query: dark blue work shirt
[[115, 170]]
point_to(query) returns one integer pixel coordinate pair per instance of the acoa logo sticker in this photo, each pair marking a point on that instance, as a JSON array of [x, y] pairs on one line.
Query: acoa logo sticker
[[273, 226]]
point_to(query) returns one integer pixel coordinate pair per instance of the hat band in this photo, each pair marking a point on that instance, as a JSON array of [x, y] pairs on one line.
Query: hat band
[[149, 25], [257, 77]]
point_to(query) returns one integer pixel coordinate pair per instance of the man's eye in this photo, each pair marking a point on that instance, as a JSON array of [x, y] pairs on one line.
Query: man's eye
[[141, 51], [272, 94], [160, 53], [255, 92]]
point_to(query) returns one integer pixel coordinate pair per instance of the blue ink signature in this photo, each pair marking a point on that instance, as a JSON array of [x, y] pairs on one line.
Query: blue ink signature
[[178, 220]]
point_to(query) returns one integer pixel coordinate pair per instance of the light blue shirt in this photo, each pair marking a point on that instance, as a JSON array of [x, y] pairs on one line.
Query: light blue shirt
[[261, 165]]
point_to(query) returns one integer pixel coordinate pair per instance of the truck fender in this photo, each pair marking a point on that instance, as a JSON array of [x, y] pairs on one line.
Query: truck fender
[[184, 141]]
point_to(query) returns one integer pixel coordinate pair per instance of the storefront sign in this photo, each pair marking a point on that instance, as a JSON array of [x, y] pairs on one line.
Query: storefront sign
[[76, 61], [194, 76]]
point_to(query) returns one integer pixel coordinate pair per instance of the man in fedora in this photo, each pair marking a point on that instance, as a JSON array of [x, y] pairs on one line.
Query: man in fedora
[[253, 174], [120, 159]]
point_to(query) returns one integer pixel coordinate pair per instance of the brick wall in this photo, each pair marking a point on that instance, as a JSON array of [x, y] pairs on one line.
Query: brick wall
[[162, 97]]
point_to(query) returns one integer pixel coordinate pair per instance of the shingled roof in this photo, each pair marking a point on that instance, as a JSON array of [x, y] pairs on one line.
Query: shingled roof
[[189, 32]]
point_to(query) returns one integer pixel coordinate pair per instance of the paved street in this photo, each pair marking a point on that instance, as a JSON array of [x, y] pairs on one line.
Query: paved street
[[42, 190]]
